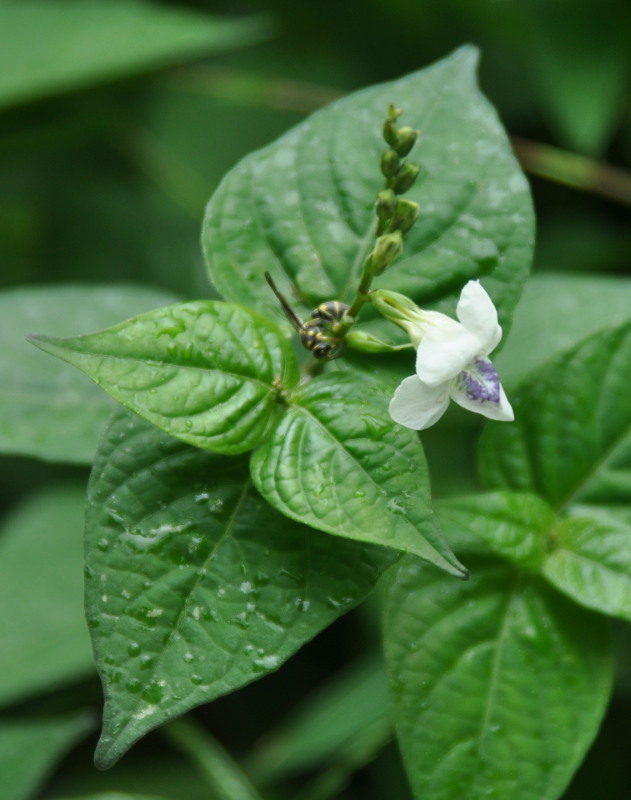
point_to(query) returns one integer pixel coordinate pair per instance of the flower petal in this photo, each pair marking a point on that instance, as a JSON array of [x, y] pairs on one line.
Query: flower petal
[[444, 352], [479, 316], [478, 389], [418, 406]]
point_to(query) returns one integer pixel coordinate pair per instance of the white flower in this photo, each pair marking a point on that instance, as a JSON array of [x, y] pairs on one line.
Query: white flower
[[451, 359]]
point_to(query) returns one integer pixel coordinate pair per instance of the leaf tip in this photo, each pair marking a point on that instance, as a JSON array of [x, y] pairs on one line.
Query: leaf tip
[[41, 340], [468, 55]]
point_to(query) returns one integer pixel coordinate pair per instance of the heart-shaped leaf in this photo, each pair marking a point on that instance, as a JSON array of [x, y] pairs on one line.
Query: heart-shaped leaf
[[195, 585], [303, 207], [499, 683], [207, 372], [337, 462]]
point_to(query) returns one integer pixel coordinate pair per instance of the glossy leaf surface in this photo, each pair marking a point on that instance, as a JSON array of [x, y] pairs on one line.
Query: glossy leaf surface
[[195, 585], [499, 683], [337, 462], [303, 207], [205, 372]]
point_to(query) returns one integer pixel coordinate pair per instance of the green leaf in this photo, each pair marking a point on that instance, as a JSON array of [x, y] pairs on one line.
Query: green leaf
[[303, 207], [47, 48], [514, 526], [555, 313], [499, 684], [45, 640], [337, 462], [571, 439], [582, 68], [591, 563], [47, 409], [206, 372], [30, 748], [326, 723], [114, 796], [195, 585]]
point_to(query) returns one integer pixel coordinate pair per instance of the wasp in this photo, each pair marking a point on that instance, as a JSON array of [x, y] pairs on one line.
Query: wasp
[[316, 333]]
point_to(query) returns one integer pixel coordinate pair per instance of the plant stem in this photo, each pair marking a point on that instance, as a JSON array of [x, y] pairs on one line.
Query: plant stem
[[574, 170]]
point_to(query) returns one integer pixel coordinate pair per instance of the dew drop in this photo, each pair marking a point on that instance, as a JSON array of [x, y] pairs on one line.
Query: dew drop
[[153, 692]]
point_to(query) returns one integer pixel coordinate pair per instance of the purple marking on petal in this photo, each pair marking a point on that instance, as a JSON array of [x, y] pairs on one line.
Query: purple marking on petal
[[480, 381]]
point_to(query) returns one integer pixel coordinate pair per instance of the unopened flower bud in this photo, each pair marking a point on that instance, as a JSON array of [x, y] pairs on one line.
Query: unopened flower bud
[[386, 204], [367, 343], [402, 311], [390, 132], [405, 177], [387, 248], [389, 163], [405, 216], [406, 137]]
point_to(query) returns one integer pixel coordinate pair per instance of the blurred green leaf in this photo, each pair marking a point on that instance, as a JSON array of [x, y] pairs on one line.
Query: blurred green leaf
[[44, 635], [582, 61], [337, 462], [303, 207], [206, 372], [51, 47], [571, 439], [591, 563], [114, 796], [576, 55], [499, 684], [30, 748], [329, 720], [195, 586], [47, 409], [554, 314]]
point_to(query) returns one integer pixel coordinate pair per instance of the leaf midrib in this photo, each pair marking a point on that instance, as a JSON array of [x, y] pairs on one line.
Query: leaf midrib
[[163, 364]]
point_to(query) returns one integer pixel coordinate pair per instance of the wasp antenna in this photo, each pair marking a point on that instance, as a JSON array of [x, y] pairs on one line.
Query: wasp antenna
[[289, 313]]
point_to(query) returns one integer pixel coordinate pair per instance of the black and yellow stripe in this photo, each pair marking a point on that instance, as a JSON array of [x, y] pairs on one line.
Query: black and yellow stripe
[[315, 334]]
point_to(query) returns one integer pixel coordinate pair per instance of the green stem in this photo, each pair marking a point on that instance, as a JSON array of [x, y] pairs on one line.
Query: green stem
[[222, 774], [361, 296]]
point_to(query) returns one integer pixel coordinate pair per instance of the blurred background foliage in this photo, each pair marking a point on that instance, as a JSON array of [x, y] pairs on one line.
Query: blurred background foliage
[[118, 118]]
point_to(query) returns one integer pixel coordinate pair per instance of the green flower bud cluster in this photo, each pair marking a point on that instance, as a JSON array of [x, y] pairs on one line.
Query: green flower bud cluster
[[395, 216]]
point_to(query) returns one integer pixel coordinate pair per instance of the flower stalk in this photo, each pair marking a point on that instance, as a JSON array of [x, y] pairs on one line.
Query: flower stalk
[[395, 217]]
